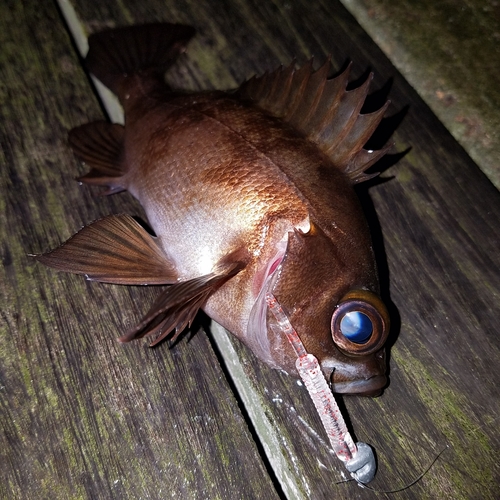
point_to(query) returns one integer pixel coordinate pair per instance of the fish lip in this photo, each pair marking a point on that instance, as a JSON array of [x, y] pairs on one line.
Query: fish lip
[[372, 386]]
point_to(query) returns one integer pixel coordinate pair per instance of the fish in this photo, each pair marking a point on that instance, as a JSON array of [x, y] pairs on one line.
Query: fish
[[247, 192]]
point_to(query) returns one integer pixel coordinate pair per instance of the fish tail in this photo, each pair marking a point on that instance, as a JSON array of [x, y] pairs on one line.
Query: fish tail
[[114, 55]]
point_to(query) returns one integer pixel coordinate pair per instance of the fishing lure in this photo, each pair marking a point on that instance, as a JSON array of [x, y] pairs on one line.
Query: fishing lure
[[358, 458]]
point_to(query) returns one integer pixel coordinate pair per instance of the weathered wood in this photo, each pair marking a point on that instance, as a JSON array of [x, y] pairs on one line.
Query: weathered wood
[[82, 416], [436, 233], [433, 238], [448, 52]]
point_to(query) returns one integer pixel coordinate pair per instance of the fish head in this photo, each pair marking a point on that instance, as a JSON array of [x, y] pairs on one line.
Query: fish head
[[330, 298]]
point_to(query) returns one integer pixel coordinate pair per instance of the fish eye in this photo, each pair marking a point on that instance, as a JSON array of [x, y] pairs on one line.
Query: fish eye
[[360, 323], [356, 326]]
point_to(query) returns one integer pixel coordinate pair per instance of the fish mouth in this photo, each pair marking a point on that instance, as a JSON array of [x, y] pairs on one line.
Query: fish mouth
[[372, 386]]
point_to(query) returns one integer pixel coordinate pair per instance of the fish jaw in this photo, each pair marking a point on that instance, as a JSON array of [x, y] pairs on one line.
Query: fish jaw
[[362, 376], [372, 387]]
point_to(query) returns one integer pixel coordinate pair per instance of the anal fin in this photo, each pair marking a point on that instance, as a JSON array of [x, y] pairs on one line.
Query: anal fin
[[100, 145]]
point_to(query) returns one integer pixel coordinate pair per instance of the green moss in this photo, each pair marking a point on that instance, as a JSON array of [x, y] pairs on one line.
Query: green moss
[[451, 413], [448, 51]]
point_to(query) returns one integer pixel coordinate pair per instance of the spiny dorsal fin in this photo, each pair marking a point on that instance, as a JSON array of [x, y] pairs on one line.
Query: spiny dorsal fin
[[100, 145], [323, 110]]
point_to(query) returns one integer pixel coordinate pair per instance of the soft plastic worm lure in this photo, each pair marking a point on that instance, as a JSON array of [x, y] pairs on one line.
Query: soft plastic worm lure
[[357, 457]]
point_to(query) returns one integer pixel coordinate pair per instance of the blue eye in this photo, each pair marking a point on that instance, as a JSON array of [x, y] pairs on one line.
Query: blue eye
[[356, 327], [360, 323]]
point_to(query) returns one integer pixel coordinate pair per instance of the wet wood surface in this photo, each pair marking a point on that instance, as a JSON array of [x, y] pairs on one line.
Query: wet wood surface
[[83, 417]]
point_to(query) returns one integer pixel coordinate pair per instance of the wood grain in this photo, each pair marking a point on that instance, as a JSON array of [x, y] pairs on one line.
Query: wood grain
[[74, 404], [452, 60]]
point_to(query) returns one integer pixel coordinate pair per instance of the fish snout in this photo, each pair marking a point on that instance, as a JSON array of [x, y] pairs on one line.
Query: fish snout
[[364, 377]]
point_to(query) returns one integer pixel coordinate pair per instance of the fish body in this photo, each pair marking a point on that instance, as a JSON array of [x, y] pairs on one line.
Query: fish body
[[248, 192]]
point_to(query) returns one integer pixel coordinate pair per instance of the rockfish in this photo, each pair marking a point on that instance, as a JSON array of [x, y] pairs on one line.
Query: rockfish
[[248, 192]]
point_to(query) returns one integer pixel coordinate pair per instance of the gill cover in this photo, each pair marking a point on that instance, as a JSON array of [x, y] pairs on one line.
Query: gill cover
[[303, 284]]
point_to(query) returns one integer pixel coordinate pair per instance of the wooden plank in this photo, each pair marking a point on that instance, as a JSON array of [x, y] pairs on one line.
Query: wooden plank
[[436, 240], [451, 59], [82, 416], [438, 218]]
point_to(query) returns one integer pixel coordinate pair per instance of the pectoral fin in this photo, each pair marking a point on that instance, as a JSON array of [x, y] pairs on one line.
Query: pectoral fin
[[176, 307], [115, 249]]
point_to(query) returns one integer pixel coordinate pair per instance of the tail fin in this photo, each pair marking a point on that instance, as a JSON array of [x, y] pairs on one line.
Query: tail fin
[[115, 54]]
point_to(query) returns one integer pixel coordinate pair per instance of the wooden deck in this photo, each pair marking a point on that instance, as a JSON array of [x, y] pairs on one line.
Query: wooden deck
[[85, 417]]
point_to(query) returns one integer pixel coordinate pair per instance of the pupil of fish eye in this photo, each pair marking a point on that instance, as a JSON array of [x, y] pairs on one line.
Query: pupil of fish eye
[[356, 327]]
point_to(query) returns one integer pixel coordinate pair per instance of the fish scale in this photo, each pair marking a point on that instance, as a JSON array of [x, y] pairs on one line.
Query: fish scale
[[188, 209]]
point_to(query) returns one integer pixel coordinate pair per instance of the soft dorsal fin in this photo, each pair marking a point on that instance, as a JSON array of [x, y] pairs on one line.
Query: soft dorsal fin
[[322, 109], [100, 145]]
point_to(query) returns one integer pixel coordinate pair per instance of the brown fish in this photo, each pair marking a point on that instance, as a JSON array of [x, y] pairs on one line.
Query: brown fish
[[248, 192]]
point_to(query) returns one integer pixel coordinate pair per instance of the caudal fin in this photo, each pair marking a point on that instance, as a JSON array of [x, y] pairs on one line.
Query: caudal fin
[[150, 48]]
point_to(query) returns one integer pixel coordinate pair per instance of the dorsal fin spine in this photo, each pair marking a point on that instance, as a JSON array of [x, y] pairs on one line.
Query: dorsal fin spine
[[275, 89], [350, 103], [361, 130], [272, 91], [323, 110], [328, 104], [264, 88], [362, 161], [280, 97], [314, 91], [298, 85]]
